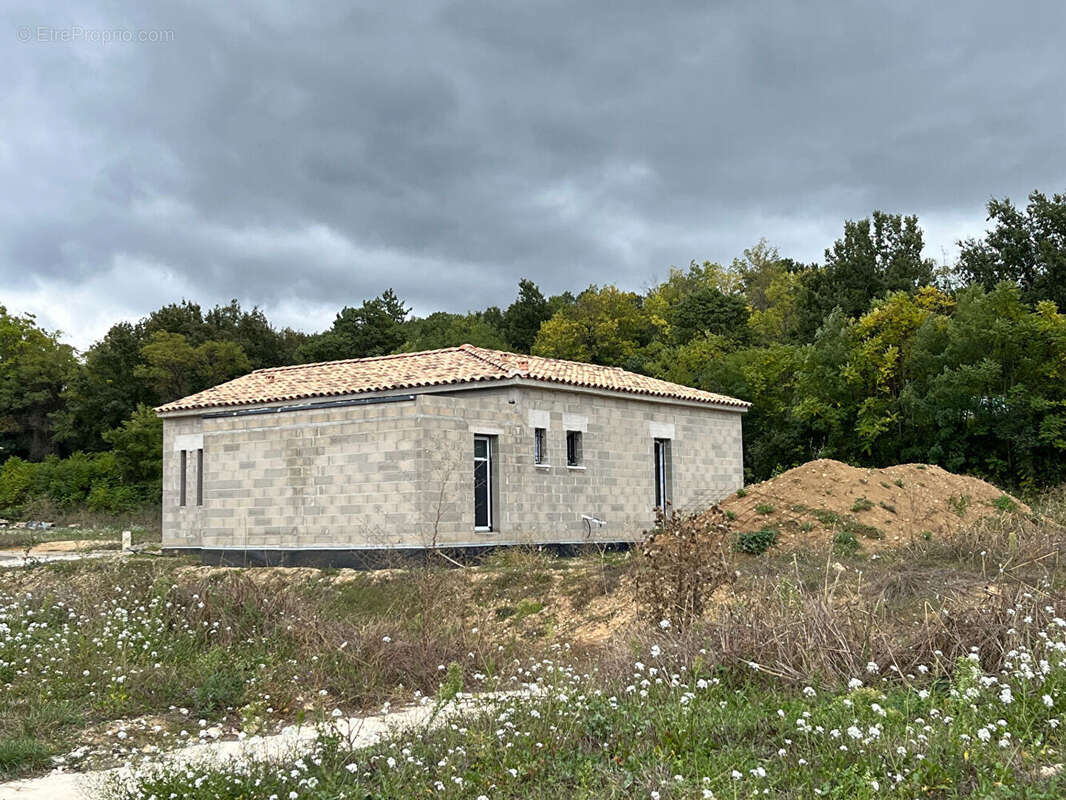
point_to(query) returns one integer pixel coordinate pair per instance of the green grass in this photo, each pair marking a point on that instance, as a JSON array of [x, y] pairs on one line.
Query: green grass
[[85, 644], [764, 508], [742, 492], [845, 543], [24, 754], [945, 735]]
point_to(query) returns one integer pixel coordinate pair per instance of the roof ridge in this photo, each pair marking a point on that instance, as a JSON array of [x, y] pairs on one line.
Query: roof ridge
[[362, 359], [462, 364], [482, 353]]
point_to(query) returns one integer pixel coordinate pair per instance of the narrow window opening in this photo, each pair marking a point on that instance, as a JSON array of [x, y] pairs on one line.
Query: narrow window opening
[[662, 473], [540, 446], [483, 483], [200, 477], [184, 469], [573, 448]]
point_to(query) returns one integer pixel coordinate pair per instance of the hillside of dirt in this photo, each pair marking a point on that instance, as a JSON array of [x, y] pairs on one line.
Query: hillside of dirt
[[813, 504]]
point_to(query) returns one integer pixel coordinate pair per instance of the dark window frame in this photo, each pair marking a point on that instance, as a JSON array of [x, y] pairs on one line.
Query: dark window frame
[[540, 446], [663, 472], [574, 455], [200, 477], [183, 476], [487, 461]]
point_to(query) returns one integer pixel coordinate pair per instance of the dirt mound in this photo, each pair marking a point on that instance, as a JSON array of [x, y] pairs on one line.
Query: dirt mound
[[824, 501]]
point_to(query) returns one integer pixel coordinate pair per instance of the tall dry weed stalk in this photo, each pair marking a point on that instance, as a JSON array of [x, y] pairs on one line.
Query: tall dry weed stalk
[[681, 563]]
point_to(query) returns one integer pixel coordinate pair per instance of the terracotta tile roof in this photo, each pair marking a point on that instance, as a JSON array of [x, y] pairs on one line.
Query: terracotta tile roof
[[451, 365]]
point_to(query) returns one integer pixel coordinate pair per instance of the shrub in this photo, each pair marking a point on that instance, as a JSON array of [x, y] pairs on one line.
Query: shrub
[[756, 542], [681, 563]]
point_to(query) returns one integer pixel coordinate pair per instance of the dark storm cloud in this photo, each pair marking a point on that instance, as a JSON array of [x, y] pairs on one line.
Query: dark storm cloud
[[303, 158]]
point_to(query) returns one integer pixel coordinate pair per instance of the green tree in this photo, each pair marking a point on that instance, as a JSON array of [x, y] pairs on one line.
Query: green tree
[[442, 329], [376, 328], [173, 368], [264, 345], [603, 326], [34, 370], [184, 318], [103, 390], [1025, 248], [710, 311], [168, 366], [875, 256], [137, 445], [523, 318]]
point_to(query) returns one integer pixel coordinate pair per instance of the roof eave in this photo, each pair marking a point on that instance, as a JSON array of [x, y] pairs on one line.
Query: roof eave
[[739, 407]]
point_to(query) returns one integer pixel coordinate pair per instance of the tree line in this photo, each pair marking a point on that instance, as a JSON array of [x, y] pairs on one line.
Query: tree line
[[874, 355]]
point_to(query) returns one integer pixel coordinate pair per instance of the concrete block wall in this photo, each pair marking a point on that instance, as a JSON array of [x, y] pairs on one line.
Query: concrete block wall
[[401, 474], [615, 482]]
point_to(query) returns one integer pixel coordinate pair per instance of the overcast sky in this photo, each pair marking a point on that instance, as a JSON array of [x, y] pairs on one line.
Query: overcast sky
[[303, 158]]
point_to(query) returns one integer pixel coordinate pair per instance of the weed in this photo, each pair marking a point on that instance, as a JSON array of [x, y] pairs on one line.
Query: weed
[[764, 508], [845, 523], [827, 517], [731, 515], [800, 700], [959, 503], [742, 492], [899, 482], [891, 509], [807, 526], [1004, 503], [862, 504], [681, 563], [845, 543], [756, 542], [861, 529]]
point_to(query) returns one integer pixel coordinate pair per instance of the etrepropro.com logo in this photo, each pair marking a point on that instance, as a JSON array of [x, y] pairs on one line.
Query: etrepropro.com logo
[[76, 33]]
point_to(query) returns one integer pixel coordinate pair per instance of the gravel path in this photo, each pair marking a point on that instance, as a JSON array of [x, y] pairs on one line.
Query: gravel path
[[18, 558], [361, 731]]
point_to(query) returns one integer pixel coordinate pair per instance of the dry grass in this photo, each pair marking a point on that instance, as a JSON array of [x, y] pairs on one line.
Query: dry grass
[[818, 617]]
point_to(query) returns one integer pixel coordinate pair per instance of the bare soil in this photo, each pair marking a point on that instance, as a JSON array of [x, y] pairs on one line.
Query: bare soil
[[810, 504]]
